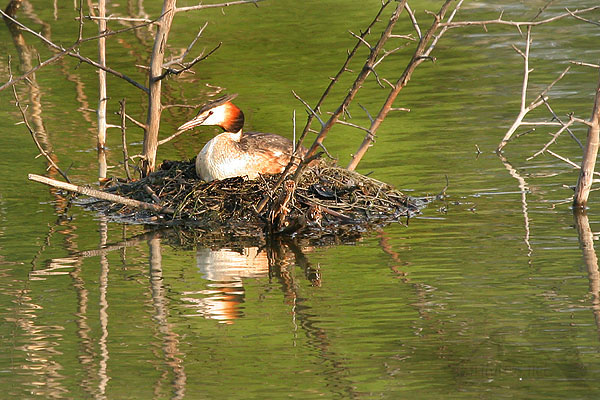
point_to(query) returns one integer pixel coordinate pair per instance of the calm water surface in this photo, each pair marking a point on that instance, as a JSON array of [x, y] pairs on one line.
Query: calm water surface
[[487, 294]]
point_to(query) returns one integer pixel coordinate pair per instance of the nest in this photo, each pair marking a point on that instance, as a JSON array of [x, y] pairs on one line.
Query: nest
[[327, 202]]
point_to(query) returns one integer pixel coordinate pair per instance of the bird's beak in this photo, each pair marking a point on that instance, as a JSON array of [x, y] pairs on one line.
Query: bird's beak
[[197, 120]]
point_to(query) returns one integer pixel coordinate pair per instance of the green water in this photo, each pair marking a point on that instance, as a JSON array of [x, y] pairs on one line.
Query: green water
[[486, 295]]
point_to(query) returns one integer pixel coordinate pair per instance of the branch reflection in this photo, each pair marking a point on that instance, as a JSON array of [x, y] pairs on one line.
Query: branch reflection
[[586, 242]]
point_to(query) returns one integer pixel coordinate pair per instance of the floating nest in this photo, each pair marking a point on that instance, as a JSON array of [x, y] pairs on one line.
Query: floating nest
[[327, 202]]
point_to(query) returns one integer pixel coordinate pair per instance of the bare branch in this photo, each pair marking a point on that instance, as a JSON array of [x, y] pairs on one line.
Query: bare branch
[[362, 40], [539, 100], [411, 15], [180, 59], [100, 195], [368, 113], [173, 136], [27, 74], [362, 128], [554, 137], [189, 65], [312, 112], [115, 18], [585, 64], [74, 54], [519, 24], [307, 127], [582, 19], [34, 137], [556, 117], [571, 163], [590, 155], [220, 5], [421, 53], [136, 122]]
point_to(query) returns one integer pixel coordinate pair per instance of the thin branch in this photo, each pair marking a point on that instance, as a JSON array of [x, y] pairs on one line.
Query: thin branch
[[362, 40], [313, 113], [102, 93], [173, 136], [121, 19], [180, 59], [220, 5], [80, 32], [571, 163], [563, 124], [26, 75], [113, 198], [437, 37], [335, 79], [519, 24], [585, 64], [73, 54], [33, 136], [362, 76], [136, 122], [201, 57], [551, 141], [582, 19], [411, 15], [421, 53], [307, 127], [590, 155], [539, 100], [362, 128]]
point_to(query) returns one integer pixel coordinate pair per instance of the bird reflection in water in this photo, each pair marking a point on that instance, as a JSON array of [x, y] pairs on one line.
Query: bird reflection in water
[[226, 269]]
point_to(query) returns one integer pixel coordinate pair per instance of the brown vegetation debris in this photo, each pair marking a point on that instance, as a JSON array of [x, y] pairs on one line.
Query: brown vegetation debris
[[326, 200]]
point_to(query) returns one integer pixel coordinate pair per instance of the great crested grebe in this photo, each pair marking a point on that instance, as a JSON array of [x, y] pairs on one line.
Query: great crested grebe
[[233, 153]]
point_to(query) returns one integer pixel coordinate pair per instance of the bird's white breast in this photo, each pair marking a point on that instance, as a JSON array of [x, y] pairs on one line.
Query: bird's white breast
[[220, 159]]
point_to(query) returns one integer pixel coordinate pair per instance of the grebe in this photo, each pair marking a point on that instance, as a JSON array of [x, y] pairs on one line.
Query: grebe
[[233, 153]]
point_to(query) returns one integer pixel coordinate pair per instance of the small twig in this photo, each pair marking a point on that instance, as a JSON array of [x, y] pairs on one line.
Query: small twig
[[571, 163], [518, 24], [170, 71], [584, 64], [362, 128], [309, 108], [136, 122], [539, 100], [69, 51], [80, 33], [220, 5], [173, 136], [180, 106], [582, 19], [152, 194], [551, 141], [563, 124], [188, 49], [114, 18], [411, 15], [361, 39]]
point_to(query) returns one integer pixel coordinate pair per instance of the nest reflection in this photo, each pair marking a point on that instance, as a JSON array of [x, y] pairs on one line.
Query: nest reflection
[[227, 268]]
